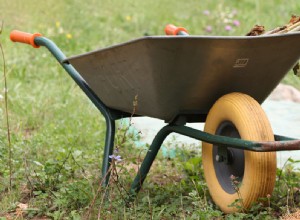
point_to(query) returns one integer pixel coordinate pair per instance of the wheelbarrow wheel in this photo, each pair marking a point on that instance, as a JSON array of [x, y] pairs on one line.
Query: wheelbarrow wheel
[[237, 178]]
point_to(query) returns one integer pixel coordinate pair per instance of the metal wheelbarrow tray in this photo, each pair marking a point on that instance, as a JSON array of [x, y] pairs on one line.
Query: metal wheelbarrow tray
[[182, 79], [175, 76]]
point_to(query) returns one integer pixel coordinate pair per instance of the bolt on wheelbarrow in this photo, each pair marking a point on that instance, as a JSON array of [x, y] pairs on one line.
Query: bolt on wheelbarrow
[[180, 79]]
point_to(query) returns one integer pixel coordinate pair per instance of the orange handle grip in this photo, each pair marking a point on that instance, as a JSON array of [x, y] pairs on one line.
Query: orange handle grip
[[171, 29], [23, 37]]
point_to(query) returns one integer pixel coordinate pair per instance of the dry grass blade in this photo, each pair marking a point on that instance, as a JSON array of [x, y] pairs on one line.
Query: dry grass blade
[[6, 113]]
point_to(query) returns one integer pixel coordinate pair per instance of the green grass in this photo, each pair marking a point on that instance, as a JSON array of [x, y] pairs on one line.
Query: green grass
[[57, 135]]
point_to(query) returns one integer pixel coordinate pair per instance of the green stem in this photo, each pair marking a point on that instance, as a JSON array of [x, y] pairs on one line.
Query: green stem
[[6, 114]]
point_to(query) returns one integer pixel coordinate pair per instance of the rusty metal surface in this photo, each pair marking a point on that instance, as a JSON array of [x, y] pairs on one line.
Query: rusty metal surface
[[185, 75], [278, 146]]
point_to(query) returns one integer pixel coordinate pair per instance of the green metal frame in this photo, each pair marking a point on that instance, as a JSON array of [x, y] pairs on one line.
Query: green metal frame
[[281, 143], [110, 115]]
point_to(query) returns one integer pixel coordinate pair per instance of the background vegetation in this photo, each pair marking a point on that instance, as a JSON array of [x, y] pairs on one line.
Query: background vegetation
[[51, 167]]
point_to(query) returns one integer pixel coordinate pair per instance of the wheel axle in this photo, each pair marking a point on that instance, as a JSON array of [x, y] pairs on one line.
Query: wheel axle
[[224, 155]]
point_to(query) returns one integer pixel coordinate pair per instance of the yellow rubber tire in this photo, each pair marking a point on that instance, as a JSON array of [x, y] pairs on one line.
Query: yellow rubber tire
[[259, 171]]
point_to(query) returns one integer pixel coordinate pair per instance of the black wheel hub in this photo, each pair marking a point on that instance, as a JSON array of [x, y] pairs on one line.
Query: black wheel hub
[[229, 163]]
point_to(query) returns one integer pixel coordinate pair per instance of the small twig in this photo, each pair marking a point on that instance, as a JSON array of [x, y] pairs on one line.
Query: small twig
[[97, 193], [139, 166], [135, 104], [274, 31], [292, 26], [181, 203], [82, 169], [6, 114], [114, 171], [27, 171], [150, 208], [289, 28], [295, 28], [119, 188], [287, 201], [102, 200], [61, 167], [235, 184]]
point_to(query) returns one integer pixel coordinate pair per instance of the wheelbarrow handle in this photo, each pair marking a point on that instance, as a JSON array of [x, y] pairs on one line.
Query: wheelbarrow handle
[[23, 37], [171, 29]]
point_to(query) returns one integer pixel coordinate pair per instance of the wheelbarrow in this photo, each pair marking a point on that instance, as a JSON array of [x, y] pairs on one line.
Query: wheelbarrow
[[183, 79]]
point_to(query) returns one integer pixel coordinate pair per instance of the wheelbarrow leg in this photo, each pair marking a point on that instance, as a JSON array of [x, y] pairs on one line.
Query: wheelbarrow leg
[[108, 149], [148, 160]]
